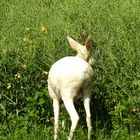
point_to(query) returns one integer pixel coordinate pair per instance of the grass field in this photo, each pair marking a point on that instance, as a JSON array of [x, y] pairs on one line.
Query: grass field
[[33, 36]]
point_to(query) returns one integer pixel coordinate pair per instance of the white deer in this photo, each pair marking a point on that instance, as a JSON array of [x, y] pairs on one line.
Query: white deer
[[70, 77]]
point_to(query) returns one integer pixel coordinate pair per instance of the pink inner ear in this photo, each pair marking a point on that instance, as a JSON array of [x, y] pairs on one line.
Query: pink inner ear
[[72, 42]]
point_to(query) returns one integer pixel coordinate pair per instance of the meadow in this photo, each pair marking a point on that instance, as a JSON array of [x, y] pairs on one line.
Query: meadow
[[33, 36]]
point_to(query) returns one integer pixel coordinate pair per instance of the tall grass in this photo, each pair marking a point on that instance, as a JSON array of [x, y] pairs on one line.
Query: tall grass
[[33, 36]]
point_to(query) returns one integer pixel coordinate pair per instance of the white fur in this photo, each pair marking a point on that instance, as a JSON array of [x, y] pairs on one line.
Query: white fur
[[70, 77]]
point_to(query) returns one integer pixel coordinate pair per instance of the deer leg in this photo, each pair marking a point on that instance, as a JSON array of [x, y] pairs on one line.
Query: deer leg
[[56, 117], [73, 115], [88, 114]]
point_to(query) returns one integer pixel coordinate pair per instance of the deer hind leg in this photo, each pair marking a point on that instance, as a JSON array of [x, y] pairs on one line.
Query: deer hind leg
[[86, 101], [55, 110], [56, 117], [68, 102]]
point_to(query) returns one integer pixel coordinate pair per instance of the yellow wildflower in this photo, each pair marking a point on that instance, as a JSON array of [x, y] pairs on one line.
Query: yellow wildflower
[[44, 29], [9, 85], [27, 29], [135, 110], [26, 40], [45, 72], [24, 66], [17, 76]]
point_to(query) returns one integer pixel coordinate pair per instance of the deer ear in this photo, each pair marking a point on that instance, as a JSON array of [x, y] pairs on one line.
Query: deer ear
[[89, 43], [74, 44]]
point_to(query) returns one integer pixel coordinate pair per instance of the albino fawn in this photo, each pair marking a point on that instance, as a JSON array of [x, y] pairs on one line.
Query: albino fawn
[[69, 77]]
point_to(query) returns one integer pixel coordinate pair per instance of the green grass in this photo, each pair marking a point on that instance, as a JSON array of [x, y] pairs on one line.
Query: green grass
[[33, 36], [43, 133]]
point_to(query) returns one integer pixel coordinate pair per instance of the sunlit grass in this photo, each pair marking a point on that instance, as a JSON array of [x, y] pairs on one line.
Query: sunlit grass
[[33, 36]]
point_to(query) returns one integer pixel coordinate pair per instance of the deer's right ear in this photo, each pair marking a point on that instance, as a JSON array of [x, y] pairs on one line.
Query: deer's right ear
[[74, 44], [89, 43]]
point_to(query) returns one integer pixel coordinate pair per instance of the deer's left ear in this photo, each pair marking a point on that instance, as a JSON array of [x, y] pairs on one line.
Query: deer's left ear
[[74, 44], [89, 43]]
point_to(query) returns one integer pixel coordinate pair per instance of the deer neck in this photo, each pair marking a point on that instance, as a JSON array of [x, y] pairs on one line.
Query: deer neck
[[89, 60], [82, 56]]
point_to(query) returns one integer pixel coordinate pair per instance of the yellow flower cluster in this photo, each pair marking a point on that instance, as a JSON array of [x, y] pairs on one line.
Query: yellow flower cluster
[[26, 39], [9, 85], [17, 76]]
